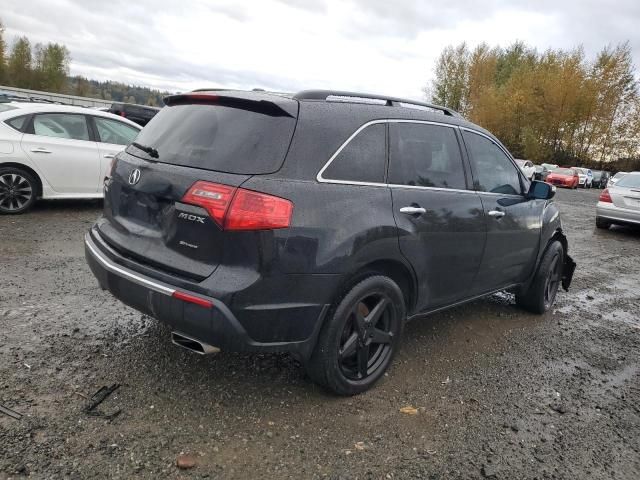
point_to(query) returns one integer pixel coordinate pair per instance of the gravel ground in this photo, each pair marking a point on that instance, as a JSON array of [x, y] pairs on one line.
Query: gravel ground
[[499, 393]]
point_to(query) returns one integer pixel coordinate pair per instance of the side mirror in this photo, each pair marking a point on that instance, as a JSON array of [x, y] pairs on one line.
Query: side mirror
[[541, 190]]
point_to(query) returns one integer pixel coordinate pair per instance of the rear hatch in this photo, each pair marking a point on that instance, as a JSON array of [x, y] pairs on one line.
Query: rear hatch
[[626, 192], [171, 191]]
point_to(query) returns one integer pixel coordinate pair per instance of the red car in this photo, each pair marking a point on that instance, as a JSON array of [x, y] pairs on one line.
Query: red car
[[564, 177]]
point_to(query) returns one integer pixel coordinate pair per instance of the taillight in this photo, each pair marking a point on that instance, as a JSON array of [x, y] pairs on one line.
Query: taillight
[[240, 209], [213, 197], [605, 196], [185, 297]]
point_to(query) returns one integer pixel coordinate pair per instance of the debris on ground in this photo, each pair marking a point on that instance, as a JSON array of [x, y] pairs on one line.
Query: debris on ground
[[10, 413], [185, 461], [409, 410], [97, 398]]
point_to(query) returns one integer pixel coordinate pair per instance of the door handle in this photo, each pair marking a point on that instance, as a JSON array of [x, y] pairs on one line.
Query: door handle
[[40, 150], [109, 155], [413, 210], [496, 214]]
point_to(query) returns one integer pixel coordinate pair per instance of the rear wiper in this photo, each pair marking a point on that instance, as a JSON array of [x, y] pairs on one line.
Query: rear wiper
[[152, 152]]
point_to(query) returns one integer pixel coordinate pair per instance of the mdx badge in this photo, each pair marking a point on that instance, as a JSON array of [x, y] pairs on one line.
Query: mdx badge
[[190, 217], [134, 176]]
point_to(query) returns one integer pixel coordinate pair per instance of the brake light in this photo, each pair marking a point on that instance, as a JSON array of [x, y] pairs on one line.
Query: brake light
[[240, 209], [258, 211], [605, 196]]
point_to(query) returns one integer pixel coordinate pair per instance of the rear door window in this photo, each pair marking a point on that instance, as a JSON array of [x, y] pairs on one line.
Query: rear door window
[[61, 125], [363, 159], [115, 132], [218, 137], [425, 155], [493, 169]]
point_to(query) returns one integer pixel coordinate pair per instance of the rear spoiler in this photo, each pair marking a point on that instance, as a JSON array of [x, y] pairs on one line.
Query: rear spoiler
[[271, 105]]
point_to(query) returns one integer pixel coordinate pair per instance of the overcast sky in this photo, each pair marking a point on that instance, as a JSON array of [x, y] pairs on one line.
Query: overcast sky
[[377, 46]]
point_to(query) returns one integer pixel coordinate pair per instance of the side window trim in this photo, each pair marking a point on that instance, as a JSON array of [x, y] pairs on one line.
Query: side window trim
[[388, 121], [505, 151]]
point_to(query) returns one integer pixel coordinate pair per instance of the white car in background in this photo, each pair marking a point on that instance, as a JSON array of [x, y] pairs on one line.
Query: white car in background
[[585, 177], [56, 151], [527, 167]]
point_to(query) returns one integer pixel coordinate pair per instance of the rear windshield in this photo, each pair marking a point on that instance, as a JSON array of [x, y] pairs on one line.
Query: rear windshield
[[216, 137], [630, 181], [564, 171]]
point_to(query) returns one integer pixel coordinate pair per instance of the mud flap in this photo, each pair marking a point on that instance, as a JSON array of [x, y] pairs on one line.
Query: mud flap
[[567, 272]]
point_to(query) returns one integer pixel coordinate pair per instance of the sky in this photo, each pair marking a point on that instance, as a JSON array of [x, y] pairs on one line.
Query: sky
[[374, 46]]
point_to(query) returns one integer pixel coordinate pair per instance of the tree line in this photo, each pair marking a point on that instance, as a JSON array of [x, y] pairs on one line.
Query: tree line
[[46, 68], [555, 106]]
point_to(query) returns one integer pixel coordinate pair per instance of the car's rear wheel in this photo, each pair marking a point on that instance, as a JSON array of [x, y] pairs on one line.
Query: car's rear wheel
[[360, 337], [18, 190], [542, 291], [602, 223]]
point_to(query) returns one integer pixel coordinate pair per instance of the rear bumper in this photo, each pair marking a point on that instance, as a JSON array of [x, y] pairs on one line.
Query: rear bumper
[[610, 212], [274, 327]]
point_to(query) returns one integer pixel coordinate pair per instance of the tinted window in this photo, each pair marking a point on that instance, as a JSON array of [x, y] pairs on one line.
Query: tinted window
[[217, 137], [18, 122], [494, 171], [61, 125], [112, 131], [363, 159], [425, 155]]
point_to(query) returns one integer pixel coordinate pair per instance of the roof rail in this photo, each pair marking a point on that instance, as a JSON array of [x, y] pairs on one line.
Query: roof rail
[[342, 96]]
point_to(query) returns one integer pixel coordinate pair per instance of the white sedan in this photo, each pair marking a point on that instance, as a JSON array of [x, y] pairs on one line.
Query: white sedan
[[528, 168], [56, 151]]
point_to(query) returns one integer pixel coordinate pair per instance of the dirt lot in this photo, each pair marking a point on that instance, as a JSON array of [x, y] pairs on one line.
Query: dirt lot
[[500, 393]]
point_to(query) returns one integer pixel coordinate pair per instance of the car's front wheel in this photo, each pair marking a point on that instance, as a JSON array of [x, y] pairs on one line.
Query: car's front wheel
[[360, 337], [542, 292], [18, 190]]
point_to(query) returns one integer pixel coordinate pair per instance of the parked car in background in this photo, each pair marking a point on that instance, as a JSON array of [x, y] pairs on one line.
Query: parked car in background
[[56, 151], [600, 179], [527, 167], [564, 177], [613, 180], [620, 203], [585, 177], [140, 114], [317, 223], [541, 172], [550, 166]]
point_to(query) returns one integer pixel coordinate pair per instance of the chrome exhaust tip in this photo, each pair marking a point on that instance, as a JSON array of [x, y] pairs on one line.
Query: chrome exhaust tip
[[192, 344]]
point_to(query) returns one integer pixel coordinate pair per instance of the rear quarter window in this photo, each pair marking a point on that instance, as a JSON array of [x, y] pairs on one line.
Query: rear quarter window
[[363, 159], [18, 123]]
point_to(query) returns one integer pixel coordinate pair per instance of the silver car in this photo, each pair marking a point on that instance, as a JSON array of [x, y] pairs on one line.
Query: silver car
[[620, 204]]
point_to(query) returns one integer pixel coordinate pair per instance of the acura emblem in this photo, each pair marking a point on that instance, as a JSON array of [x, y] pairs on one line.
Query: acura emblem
[[134, 176]]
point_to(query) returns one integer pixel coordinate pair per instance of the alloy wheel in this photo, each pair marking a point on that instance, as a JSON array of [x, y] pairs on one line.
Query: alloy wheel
[[15, 192], [366, 341], [553, 281]]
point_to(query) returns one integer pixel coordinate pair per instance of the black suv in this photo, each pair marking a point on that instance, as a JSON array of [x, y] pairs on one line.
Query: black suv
[[141, 114], [317, 224]]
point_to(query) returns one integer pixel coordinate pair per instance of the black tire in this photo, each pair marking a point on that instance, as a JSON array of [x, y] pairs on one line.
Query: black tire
[[602, 223], [18, 190], [542, 292], [372, 310]]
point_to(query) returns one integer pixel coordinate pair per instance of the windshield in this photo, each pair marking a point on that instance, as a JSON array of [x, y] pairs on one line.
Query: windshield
[[619, 175], [630, 181], [564, 171], [216, 137]]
